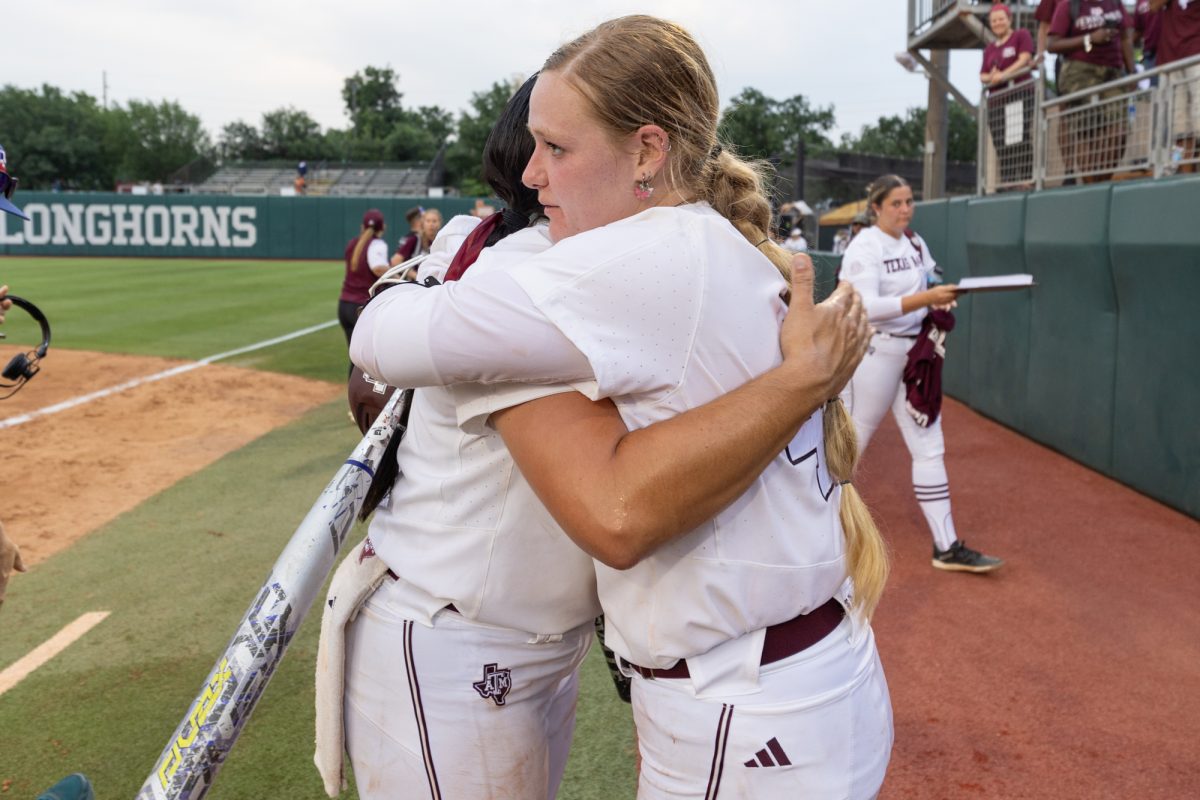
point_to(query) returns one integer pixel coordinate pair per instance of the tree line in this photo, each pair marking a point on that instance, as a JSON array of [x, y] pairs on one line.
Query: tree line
[[64, 139]]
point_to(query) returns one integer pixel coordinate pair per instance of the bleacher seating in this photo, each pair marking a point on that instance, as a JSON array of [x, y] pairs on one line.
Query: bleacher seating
[[367, 180]]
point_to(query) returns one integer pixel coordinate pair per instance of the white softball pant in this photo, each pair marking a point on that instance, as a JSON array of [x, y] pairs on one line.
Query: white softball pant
[[819, 729], [877, 385], [459, 710]]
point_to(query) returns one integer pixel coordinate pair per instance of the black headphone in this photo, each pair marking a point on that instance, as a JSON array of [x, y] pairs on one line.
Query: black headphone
[[24, 366]]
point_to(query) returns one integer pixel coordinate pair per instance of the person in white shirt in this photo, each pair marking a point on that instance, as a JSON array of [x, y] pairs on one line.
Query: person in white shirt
[[796, 242], [658, 279], [841, 240], [891, 268]]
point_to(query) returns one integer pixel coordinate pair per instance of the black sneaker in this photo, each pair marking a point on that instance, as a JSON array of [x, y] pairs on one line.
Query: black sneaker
[[960, 558]]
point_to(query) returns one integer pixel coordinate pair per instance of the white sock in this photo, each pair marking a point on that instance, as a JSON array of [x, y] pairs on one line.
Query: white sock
[[932, 488]]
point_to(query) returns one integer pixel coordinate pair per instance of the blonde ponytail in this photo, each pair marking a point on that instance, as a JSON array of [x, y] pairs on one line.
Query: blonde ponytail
[[735, 190], [866, 553], [363, 238]]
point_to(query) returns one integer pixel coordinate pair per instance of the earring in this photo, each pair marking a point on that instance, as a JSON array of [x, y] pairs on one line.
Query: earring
[[642, 189]]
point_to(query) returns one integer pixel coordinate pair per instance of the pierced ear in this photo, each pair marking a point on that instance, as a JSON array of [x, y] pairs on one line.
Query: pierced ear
[[653, 145]]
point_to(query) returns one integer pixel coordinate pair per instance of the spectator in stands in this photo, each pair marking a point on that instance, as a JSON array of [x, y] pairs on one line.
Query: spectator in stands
[[1005, 63], [366, 259], [1180, 39], [1147, 27], [300, 184], [482, 210], [408, 244], [1044, 16], [796, 242], [1098, 46]]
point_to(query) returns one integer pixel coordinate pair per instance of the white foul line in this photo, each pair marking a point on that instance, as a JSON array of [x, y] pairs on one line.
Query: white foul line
[[60, 641], [21, 419]]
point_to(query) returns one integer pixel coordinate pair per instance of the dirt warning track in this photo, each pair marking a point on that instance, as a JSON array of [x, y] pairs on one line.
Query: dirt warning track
[[1072, 672]]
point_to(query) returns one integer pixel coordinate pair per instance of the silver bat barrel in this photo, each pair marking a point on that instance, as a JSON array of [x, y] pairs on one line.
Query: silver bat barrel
[[201, 742]]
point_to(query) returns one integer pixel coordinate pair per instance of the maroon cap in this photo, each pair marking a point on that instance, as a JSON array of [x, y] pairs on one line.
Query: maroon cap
[[1001, 7], [373, 219]]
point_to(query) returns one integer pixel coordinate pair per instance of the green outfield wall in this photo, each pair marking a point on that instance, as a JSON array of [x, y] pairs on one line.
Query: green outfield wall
[[208, 226], [1099, 360]]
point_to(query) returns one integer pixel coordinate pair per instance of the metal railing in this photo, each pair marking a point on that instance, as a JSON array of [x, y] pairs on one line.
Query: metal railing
[[1141, 125], [922, 13]]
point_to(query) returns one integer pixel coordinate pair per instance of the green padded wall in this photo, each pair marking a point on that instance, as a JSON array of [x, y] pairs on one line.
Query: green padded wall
[[932, 221], [1073, 324], [956, 265], [202, 226], [1155, 250], [999, 346], [825, 271]]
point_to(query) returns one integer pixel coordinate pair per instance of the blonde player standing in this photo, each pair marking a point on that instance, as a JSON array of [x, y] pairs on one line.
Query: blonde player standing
[[891, 271], [749, 677]]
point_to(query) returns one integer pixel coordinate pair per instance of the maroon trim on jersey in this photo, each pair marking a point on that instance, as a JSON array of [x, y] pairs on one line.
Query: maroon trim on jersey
[[471, 247], [718, 762], [414, 691]]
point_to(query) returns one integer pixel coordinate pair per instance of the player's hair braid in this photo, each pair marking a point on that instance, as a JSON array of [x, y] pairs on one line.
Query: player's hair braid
[[639, 70], [866, 553], [367, 235]]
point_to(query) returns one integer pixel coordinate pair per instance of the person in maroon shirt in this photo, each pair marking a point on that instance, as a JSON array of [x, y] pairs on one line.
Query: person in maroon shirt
[[1096, 38], [366, 258], [425, 232], [1147, 27], [409, 242], [1005, 63], [1180, 39], [1044, 14]]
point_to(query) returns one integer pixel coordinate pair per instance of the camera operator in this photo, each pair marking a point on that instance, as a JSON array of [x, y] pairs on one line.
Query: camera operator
[[10, 554]]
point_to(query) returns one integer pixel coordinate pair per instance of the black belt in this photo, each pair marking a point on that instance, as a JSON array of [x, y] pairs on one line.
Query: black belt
[[782, 640]]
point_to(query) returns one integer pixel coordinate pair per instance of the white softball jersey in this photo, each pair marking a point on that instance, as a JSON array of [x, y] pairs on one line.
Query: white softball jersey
[[673, 308], [462, 525], [884, 269], [377, 254]]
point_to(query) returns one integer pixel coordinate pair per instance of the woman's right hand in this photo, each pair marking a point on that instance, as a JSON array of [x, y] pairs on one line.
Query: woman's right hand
[[944, 294], [824, 341]]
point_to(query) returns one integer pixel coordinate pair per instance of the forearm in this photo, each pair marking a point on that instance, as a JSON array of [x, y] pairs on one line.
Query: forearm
[[1065, 44], [481, 331], [1127, 51], [912, 302], [1017, 67], [621, 495]]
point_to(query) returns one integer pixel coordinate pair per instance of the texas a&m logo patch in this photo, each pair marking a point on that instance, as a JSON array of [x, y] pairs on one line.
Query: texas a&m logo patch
[[495, 684]]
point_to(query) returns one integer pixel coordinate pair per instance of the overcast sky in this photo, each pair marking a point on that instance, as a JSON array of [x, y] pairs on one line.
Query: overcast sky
[[225, 60]]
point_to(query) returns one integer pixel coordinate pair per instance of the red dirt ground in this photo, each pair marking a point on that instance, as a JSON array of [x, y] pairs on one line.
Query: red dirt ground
[[80, 468], [1072, 672]]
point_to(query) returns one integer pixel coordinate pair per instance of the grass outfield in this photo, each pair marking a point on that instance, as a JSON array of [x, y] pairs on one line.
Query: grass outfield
[[187, 308], [178, 572]]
